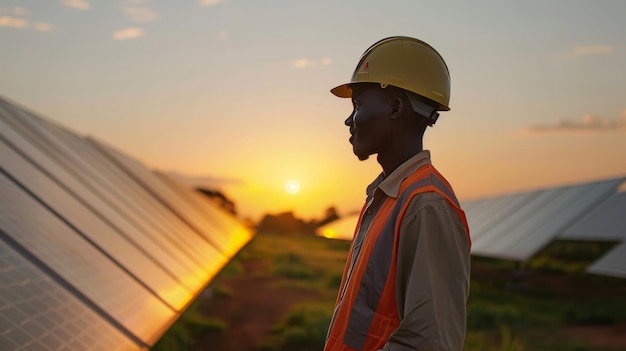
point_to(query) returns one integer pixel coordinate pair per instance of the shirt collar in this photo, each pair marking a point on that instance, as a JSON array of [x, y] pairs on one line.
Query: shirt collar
[[390, 185]]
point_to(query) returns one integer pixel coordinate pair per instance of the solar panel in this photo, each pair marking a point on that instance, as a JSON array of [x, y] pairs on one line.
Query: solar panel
[[490, 212], [613, 263], [607, 222], [108, 262]]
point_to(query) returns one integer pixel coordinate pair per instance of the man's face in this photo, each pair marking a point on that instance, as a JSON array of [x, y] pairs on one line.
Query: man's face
[[370, 123]]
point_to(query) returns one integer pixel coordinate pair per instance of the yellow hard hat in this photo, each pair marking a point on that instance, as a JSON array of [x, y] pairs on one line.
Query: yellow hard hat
[[406, 63]]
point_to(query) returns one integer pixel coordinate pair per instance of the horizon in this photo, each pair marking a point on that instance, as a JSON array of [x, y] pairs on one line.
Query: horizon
[[239, 90]]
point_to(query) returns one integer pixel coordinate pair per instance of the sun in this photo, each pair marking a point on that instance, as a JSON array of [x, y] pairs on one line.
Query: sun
[[292, 186]]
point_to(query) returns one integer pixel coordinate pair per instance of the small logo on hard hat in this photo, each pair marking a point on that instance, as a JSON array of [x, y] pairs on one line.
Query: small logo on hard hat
[[367, 65]]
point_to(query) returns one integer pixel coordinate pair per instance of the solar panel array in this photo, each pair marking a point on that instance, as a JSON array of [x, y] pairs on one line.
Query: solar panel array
[[97, 252], [517, 226]]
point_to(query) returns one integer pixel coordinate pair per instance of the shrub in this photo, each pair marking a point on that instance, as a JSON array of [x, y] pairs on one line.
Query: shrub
[[334, 281], [177, 338], [304, 328], [199, 325], [587, 316], [292, 266], [220, 291], [484, 316]]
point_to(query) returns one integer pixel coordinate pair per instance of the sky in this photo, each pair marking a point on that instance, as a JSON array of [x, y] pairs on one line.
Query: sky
[[236, 93]]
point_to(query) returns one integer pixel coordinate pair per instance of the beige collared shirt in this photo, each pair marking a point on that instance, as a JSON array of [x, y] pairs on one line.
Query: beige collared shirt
[[433, 267]]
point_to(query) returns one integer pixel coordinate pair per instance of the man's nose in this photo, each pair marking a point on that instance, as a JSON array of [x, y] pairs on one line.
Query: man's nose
[[350, 120]]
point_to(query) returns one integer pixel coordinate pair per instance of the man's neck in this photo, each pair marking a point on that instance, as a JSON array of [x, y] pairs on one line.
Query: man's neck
[[392, 160]]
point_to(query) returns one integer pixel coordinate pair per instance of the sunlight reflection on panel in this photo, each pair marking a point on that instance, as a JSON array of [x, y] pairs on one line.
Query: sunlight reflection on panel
[[342, 228]]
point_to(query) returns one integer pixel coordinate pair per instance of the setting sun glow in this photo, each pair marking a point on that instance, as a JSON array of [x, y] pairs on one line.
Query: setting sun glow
[[292, 186]]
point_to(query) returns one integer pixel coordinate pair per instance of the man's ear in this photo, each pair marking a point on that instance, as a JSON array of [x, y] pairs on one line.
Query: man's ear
[[397, 107]]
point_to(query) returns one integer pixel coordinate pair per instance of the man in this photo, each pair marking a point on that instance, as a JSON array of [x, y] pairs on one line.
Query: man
[[406, 281]]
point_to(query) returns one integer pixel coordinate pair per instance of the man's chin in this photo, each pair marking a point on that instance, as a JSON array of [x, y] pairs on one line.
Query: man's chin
[[362, 157], [361, 154]]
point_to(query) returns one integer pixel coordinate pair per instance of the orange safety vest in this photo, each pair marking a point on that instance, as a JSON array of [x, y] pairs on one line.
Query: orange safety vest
[[366, 313]]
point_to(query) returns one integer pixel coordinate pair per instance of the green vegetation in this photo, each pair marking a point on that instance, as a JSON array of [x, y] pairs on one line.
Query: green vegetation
[[191, 324], [512, 307], [304, 328]]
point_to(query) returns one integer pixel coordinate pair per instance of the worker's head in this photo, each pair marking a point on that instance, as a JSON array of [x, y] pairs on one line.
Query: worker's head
[[409, 64], [397, 88]]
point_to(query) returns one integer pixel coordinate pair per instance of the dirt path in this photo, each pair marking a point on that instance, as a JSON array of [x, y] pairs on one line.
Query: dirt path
[[253, 307]]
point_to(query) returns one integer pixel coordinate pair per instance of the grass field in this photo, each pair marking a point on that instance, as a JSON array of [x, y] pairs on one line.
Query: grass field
[[279, 291]]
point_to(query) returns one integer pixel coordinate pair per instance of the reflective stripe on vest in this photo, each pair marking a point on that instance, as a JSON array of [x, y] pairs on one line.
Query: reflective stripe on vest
[[367, 313]]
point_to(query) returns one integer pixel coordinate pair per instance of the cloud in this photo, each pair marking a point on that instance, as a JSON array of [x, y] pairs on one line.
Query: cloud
[[140, 14], [223, 35], [589, 123], [211, 2], [44, 27], [128, 33], [6, 21], [77, 4], [583, 50], [20, 11], [307, 62], [593, 49]]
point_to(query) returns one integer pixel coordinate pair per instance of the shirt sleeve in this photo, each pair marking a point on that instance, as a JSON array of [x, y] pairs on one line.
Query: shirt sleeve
[[432, 277]]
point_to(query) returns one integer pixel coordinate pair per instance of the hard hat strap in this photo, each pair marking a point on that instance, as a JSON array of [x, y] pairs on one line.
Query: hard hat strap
[[423, 108]]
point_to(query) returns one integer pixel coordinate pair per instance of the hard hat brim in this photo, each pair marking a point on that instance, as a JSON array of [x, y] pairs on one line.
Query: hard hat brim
[[342, 91]]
